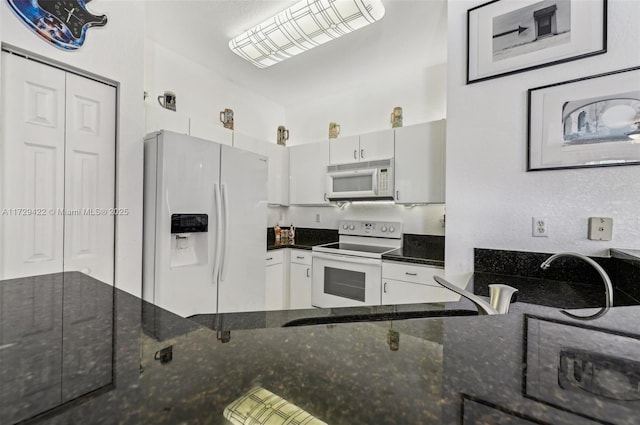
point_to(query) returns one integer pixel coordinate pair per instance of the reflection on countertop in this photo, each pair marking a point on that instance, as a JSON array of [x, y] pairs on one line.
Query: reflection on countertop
[[525, 366]]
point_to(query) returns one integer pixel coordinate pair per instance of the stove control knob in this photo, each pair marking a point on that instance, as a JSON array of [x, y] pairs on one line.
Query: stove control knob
[[345, 226], [384, 228], [352, 227], [391, 229]]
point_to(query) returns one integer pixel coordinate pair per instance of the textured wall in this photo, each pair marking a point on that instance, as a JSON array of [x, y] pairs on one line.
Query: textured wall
[[491, 199]]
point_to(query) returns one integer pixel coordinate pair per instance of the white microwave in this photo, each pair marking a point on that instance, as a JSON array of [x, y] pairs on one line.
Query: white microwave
[[370, 180]]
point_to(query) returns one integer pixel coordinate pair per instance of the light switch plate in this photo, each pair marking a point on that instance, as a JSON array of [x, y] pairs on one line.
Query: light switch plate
[[600, 228]]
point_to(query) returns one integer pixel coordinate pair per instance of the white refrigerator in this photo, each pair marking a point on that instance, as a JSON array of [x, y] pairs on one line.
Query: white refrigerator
[[205, 219]]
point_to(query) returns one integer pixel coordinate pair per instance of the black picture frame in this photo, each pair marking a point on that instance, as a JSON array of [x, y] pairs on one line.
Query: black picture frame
[[551, 145], [508, 59]]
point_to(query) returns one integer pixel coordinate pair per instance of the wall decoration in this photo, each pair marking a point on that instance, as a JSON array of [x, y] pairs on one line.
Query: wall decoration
[[63, 23], [334, 130], [168, 100], [226, 118], [568, 361], [282, 135], [507, 37], [588, 122]]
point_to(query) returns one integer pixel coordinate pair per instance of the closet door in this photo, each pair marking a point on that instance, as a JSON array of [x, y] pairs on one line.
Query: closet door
[[32, 168], [57, 172], [90, 178]]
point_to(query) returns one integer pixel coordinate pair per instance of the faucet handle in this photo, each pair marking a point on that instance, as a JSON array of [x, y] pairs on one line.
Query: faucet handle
[[501, 297]]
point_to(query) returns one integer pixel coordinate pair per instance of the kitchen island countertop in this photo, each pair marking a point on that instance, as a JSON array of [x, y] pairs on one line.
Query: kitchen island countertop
[[120, 360]]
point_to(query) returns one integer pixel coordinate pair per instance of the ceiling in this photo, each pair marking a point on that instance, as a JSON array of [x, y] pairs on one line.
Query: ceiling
[[411, 36]]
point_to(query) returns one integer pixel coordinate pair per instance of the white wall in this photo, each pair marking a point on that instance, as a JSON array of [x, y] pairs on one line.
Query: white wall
[[491, 199], [114, 52], [202, 93], [420, 92]]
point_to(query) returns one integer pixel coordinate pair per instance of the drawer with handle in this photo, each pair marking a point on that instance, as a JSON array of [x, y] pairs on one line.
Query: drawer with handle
[[411, 273], [275, 257], [299, 256]]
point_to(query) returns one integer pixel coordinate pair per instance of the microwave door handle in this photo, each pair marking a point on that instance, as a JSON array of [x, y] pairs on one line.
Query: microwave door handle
[[375, 182]]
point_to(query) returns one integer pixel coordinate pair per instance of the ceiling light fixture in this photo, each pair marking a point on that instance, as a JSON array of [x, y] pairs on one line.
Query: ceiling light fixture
[[306, 24]]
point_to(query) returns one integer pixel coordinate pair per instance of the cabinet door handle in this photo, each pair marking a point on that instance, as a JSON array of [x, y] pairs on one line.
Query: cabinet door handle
[[299, 257], [308, 271], [397, 195], [361, 153], [384, 289], [355, 154], [270, 258], [325, 196], [411, 274]]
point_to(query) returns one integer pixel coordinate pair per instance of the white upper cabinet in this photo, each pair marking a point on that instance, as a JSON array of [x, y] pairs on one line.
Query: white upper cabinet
[[344, 150], [366, 147], [420, 163], [278, 188], [377, 145], [308, 169]]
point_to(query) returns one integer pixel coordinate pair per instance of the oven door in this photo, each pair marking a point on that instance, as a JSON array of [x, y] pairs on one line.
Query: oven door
[[352, 184], [345, 281]]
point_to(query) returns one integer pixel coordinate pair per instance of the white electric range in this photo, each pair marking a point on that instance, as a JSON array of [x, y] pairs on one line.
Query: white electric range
[[348, 273]]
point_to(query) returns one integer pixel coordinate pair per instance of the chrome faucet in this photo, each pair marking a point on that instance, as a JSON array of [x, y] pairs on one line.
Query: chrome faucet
[[499, 297], [608, 287]]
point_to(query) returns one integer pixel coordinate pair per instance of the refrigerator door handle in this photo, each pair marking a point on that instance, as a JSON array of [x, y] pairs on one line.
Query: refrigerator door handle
[[217, 208], [225, 240]]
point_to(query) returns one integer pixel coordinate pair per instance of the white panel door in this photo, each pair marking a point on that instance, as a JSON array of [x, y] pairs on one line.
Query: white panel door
[[32, 168], [90, 178], [243, 179]]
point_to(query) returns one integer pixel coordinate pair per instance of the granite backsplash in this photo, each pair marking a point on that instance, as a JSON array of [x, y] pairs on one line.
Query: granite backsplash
[[307, 235], [423, 246], [565, 274]]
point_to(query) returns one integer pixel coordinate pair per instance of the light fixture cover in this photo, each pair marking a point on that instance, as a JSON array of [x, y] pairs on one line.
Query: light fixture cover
[[635, 134], [304, 25]]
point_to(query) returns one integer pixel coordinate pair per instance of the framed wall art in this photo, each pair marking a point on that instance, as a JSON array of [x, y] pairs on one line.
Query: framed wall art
[[506, 37], [587, 122]]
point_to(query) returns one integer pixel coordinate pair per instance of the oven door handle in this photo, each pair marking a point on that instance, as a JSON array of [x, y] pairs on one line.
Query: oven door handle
[[346, 259]]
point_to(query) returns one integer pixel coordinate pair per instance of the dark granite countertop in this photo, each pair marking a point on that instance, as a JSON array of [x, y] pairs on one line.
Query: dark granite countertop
[[408, 256], [292, 244], [74, 350]]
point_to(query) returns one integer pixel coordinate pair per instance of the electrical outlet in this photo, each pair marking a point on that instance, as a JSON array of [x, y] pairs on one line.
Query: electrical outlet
[[317, 218], [600, 228], [540, 227]]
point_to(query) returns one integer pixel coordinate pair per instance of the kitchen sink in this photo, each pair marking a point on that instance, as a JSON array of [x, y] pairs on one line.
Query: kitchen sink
[[375, 317]]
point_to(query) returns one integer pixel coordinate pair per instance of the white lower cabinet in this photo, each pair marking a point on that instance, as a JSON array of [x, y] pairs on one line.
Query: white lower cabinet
[[404, 283], [300, 279], [275, 294]]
